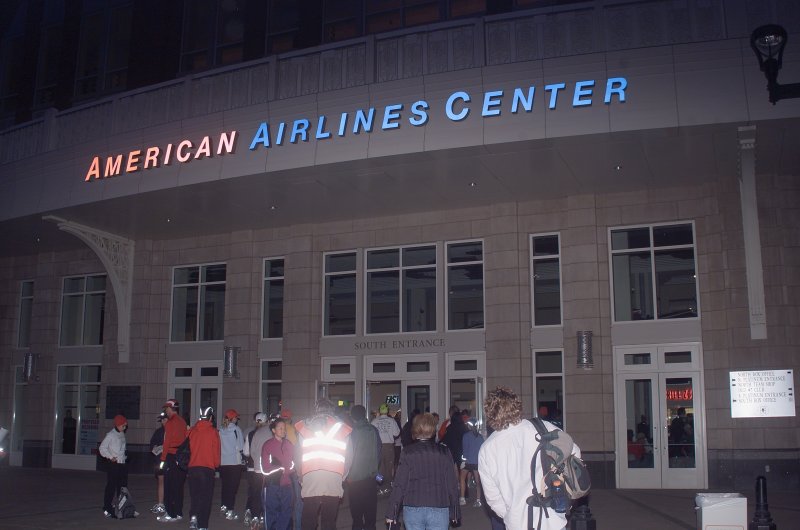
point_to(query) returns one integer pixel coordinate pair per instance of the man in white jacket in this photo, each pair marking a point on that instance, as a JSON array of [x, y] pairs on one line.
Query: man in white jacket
[[504, 463], [112, 448]]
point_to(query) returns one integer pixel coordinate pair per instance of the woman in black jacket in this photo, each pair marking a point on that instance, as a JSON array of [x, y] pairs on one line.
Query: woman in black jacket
[[425, 483]]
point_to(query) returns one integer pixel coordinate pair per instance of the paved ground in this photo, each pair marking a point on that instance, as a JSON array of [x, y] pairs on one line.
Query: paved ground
[[56, 498]]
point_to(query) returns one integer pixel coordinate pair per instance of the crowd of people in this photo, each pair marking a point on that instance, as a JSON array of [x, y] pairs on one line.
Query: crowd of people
[[297, 474]]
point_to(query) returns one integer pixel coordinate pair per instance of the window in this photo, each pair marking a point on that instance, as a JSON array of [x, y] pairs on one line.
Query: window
[[340, 293], [198, 303], [465, 285], [548, 369], [401, 281], [104, 48], [77, 409], [271, 375], [272, 319], [654, 272], [25, 314], [213, 34], [546, 280], [83, 302]]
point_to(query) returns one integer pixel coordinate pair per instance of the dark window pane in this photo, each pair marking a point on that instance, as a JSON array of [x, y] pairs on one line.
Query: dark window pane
[[209, 371], [340, 262], [272, 370], [212, 319], [341, 305], [383, 302], [231, 22], [545, 245], [548, 362], [546, 292], [383, 367], [418, 367], [94, 319], [666, 236], [461, 252], [465, 296], [419, 300], [630, 238], [273, 268], [214, 273], [272, 324], [633, 287], [184, 275], [74, 285], [198, 32], [340, 369], [637, 358], [419, 256], [675, 284], [183, 372], [677, 357], [549, 399], [465, 365], [383, 259], [184, 314]]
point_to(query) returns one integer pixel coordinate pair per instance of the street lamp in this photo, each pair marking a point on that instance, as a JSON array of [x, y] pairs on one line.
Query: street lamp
[[768, 43]]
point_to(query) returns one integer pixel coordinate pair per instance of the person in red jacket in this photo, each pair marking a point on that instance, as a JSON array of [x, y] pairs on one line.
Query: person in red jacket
[[205, 459], [174, 476]]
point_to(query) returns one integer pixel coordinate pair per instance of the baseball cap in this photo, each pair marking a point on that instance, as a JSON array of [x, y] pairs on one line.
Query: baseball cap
[[383, 409], [231, 414], [171, 404], [261, 418], [286, 413], [119, 420]]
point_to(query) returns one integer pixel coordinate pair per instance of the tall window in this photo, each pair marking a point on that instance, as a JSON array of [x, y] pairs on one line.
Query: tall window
[[549, 386], [465, 285], [654, 272], [49, 61], [77, 409], [272, 320], [104, 48], [271, 375], [340, 293], [83, 302], [401, 289], [546, 280], [213, 34], [25, 314], [198, 303]]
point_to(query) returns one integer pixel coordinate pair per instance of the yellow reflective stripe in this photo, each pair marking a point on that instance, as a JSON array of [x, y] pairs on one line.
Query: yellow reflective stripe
[[323, 455]]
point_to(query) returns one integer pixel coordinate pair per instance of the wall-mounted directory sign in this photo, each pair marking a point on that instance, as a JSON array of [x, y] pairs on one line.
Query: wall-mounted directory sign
[[762, 394]]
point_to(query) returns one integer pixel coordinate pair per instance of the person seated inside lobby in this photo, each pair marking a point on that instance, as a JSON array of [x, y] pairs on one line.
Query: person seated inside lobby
[[636, 451]]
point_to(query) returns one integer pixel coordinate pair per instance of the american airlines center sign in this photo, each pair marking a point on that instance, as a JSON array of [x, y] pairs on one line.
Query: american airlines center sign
[[460, 105]]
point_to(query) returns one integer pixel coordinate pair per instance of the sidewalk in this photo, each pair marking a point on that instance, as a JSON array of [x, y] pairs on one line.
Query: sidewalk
[[57, 498]]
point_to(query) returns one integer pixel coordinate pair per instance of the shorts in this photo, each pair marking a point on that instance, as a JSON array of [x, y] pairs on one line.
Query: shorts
[[471, 467]]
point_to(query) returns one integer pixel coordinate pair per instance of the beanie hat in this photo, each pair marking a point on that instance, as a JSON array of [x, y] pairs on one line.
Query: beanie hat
[[231, 414], [120, 420], [358, 412], [171, 404], [383, 409]]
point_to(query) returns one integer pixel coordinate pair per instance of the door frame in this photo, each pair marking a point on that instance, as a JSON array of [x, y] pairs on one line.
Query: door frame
[[405, 376], [195, 383], [658, 369]]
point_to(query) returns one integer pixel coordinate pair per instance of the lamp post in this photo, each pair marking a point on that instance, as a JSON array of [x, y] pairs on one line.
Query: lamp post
[[768, 43]]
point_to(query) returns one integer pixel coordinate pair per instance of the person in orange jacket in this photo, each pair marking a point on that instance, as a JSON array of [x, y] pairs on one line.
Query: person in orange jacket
[[205, 459], [174, 476]]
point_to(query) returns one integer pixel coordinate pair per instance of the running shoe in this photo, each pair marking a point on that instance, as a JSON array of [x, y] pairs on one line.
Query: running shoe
[[193, 523], [462, 501], [158, 508], [477, 504], [230, 516]]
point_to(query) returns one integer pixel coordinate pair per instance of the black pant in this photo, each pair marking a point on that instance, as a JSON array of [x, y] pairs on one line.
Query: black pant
[[312, 505], [116, 477], [363, 498], [174, 479], [230, 477], [255, 482], [201, 490]]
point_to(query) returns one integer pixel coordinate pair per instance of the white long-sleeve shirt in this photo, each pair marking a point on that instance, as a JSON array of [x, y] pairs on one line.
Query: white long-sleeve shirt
[[504, 464], [113, 446], [232, 443]]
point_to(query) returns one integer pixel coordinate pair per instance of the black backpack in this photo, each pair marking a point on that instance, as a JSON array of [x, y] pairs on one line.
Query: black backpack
[[562, 473], [183, 455], [123, 505]]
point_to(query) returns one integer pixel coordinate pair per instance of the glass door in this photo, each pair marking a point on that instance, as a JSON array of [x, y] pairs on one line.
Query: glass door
[[640, 466], [196, 385], [418, 396], [17, 436]]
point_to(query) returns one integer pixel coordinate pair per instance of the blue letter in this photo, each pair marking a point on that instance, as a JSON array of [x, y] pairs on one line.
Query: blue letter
[[261, 137], [449, 107], [618, 90], [390, 113], [580, 92], [418, 109], [300, 127], [491, 99], [320, 128], [342, 124], [554, 92], [281, 131], [364, 121], [519, 97]]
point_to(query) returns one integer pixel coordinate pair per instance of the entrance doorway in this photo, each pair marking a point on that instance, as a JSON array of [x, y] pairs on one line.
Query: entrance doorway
[[405, 383], [195, 384], [400, 395], [660, 426]]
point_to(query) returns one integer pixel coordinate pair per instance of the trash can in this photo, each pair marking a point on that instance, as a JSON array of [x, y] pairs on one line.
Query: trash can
[[721, 511]]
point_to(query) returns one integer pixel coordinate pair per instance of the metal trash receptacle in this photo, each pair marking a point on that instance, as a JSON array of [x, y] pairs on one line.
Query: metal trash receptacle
[[721, 511]]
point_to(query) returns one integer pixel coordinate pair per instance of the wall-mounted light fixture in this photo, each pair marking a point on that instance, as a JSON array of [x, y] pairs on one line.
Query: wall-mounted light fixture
[[230, 361], [29, 368], [768, 43], [585, 359]]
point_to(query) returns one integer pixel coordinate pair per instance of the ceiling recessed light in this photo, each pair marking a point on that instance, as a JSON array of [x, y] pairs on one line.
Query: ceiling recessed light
[[618, 167], [273, 207], [169, 220], [472, 184], [38, 239]]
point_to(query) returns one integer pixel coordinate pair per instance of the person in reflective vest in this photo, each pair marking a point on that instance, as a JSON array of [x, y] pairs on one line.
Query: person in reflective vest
[[324, 457]]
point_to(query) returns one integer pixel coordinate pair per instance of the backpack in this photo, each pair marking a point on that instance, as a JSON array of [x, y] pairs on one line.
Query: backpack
[[123, 505], [183, 455], [563, 473]]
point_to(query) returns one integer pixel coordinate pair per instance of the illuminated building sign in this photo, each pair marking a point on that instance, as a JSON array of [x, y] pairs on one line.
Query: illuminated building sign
[[682, 394], [459, 106]]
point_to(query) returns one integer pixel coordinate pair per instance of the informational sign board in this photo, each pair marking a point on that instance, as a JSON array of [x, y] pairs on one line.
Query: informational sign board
[[762, 394], [393, 399]]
